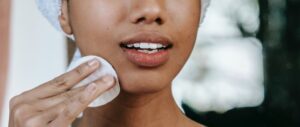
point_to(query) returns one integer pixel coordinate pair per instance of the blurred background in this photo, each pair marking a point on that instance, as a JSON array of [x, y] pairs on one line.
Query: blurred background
[[279, 35], [243, 71]]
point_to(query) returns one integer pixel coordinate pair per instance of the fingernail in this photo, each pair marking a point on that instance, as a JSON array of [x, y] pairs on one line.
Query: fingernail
[[93, 63], [108, 80], [91, 87]]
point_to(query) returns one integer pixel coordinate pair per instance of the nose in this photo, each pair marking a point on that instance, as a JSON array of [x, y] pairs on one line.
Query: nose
[[147, 12]]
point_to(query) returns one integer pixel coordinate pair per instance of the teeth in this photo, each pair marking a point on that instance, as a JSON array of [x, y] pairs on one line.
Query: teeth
[[148, 52], [159, 46], [144, 45], [130, 45], [153, 46], [136, 45]]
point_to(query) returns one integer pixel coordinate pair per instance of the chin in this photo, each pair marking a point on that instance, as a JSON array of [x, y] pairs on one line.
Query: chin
[[144, 81]]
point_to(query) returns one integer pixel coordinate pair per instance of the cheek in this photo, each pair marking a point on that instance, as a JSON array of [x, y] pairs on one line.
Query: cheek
[[185, 16], [99, 22], [94, 21], [187, 22], [185, 13]]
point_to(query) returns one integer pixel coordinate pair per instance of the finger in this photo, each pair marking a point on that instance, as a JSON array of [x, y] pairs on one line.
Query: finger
[[41, 119], [20, 113], [46, 103], [76, 105], [35, 120], [64, 82]]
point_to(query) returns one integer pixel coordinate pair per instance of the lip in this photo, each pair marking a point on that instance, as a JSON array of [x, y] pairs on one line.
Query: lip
[[147, 59], [153, 37]]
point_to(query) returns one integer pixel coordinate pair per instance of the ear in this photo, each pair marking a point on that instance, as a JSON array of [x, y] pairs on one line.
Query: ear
[[64, 19]]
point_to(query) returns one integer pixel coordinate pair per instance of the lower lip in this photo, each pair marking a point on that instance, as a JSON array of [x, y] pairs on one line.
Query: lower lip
[[145, 59]]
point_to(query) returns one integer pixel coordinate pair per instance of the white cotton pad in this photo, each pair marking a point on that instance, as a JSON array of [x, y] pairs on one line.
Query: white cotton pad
[[104, 69]]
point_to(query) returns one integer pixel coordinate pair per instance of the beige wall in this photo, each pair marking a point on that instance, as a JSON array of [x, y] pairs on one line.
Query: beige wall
[[37, 52], [4, 33]]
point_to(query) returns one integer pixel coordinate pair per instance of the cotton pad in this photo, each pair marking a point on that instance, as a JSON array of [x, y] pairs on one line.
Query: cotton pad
[[104, 69]]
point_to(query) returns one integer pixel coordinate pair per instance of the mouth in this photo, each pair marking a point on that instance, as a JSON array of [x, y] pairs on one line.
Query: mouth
[[147, 49]]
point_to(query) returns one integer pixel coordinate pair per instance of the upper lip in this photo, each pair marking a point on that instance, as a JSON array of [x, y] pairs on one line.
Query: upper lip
[[148, 37]]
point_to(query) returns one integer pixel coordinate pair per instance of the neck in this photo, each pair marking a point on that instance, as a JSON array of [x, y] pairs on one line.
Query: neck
[[156, 109]]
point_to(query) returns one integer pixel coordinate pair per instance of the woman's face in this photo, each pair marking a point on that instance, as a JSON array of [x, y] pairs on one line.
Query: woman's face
[[146, 41]]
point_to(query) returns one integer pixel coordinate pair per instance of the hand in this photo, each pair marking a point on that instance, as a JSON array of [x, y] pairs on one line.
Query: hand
[[54, 103]]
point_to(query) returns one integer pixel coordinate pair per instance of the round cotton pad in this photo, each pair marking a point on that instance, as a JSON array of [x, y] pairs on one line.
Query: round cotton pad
[[104, 69]]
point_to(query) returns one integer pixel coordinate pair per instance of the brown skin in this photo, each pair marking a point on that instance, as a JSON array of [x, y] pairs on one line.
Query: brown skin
[[98, 27], [53, 104]]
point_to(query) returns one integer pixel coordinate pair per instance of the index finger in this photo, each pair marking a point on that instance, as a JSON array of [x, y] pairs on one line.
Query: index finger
[[64, 82], [71, 108]]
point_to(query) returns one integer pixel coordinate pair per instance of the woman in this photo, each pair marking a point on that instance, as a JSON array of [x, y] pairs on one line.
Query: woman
[[147, 42]]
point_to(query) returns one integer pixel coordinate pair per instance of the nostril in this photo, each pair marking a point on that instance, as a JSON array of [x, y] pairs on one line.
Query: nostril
[[141, 19], [159, 21]]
